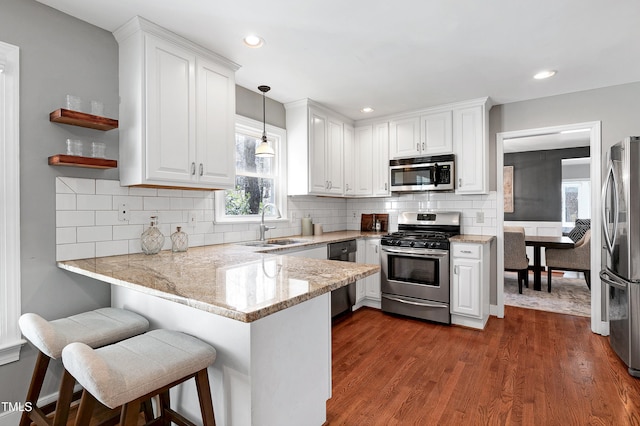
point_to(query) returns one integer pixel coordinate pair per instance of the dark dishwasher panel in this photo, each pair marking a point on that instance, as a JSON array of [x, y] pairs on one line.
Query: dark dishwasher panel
[[342, 299]]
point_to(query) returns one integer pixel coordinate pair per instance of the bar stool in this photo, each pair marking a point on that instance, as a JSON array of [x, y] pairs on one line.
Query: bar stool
[[134, 370], [94, 328]]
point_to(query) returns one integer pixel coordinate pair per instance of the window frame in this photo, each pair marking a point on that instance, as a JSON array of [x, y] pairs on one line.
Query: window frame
[[10, 280], [579, 183], [278, 135]]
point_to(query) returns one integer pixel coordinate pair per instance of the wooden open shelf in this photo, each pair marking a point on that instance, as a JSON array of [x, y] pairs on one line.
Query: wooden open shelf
[[77, 161], [82, 119]]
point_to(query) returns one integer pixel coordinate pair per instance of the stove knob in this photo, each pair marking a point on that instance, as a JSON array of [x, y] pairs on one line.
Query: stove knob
[[412, 244]]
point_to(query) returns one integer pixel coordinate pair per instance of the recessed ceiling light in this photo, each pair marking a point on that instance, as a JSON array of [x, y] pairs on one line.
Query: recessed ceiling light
[[544, 74], [253, 41], [366, 110]]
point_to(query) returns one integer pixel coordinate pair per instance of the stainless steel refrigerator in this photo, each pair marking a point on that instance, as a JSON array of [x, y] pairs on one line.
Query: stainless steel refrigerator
[[621, 229]]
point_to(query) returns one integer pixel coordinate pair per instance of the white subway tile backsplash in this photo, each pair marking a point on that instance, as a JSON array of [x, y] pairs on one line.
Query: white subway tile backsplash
[[94, 202], [156, 203], [87, 234], [66, 235], [111, 248], [74, 218], [75, 251], [79, 186], [181, 203], [110, 187], [132, 202], [109, 217], [143, 192], [128, 232], [66, 201]]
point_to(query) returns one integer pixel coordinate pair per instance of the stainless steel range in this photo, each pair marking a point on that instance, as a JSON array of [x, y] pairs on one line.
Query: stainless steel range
[[415, 265]]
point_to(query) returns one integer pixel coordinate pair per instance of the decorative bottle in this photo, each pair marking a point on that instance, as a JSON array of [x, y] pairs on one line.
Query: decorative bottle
[[152, 239], [179, 241]]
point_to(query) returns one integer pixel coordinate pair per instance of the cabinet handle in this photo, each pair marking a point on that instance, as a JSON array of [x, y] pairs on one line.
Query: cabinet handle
[[193, 168], [376, 249], [459, 182], [455, 270], [201, 169], [386, 187], [418, 147], [423, 146], [330, 184], [465, 251]]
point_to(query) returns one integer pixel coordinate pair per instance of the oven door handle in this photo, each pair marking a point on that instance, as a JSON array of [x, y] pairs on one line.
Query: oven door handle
[[408, 302], [430, 254]]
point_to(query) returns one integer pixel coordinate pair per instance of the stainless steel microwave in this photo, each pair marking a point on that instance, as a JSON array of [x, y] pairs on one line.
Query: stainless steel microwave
[[436, 173]]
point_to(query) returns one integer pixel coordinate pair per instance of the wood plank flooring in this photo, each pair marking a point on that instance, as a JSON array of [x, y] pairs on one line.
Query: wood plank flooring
[[531, 367]]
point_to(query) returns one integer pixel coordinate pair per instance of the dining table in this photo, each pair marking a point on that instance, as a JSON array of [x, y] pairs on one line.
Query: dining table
[[539, 241]]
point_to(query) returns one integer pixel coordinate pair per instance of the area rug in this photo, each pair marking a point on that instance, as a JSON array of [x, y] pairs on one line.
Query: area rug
[[568, 295]]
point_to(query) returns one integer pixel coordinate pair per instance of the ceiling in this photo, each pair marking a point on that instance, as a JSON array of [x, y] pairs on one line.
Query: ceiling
[[401, 55], [557, 140]]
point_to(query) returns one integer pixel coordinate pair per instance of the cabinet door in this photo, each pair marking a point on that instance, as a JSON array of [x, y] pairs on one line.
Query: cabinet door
[[318, 181], [361, 284], [349, 161], [215, 125], [404, 138], [335, 156], [364, 160], [170, 109], [437, 133], [372, 255], [465, 290], [471, 150], [381, 159]]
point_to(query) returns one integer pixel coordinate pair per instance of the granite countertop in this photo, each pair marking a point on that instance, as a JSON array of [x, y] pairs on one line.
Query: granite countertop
[[470, 238], [232, 280]]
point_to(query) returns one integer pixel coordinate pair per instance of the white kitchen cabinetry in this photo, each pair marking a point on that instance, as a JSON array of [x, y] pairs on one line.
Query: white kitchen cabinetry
[[315, 149], [381, 187], [420, 135], [350, 161], [319, 252], [177, 111], [368, 289], [363, 151], [470, 272], [470, 134]]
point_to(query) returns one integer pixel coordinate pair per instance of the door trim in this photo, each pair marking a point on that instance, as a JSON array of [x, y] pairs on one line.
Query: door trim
[[599, 323]]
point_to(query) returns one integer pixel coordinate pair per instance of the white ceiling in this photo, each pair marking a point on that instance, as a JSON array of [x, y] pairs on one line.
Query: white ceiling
[[546, 142], [401, 55]]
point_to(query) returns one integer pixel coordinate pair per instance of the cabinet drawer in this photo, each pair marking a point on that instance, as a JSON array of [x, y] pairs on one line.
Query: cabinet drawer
[[469, 251]]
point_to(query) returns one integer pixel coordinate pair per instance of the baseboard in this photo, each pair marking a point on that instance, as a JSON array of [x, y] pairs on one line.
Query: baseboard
[[10, 418]]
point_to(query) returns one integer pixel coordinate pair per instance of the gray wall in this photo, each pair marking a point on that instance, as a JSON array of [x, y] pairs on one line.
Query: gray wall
[[537, 183], [617, 107], [62, 55]]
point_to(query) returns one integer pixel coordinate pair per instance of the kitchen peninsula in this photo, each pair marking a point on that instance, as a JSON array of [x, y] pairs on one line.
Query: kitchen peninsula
[[267, 315]]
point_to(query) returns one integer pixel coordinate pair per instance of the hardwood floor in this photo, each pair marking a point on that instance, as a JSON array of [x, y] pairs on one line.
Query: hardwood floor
[[531, 367]]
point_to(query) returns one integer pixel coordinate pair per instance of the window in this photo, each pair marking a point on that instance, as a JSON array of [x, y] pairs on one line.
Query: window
[[576, 191], [10, 338], [258, 180]]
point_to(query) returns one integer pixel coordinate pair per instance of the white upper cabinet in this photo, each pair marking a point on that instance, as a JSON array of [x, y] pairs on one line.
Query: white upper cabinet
[[363, 152], [350, 161], [177, 111], [421, 135], [381, 187], [436, 133], [470, 133], [316, 155], [404, 137]]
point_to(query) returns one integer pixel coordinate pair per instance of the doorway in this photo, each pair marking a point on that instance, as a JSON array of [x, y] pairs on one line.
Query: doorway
[[598, 318]]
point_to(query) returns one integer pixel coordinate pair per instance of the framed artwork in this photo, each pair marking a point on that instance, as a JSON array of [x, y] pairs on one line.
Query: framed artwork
[[508, 188]]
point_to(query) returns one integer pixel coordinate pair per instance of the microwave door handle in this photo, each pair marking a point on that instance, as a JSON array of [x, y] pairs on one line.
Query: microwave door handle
[[435, 175], [607, 237]]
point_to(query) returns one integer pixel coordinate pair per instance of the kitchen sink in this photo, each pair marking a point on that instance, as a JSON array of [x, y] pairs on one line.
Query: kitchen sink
[[276, 242]]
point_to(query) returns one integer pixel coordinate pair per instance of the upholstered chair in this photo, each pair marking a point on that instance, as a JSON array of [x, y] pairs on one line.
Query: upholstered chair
[[515, 254], [575, 259]]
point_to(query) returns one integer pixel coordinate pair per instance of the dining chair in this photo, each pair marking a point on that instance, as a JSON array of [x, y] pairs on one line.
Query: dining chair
[[515, 254], [575, 259]]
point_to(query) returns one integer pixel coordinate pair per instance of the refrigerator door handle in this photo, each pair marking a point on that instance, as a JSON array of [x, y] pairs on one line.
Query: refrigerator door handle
[[615, 282], [610, 177]]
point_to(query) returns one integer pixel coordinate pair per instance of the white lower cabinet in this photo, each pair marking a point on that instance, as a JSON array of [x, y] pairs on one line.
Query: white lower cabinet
[[470, 271], [368, 289]]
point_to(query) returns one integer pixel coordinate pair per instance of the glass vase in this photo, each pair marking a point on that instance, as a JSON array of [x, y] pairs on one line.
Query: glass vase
[[152, 239], [179, 241]]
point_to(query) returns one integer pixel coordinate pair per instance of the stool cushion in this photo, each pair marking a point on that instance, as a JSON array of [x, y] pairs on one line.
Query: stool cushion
[[122, 372], [95, 328]]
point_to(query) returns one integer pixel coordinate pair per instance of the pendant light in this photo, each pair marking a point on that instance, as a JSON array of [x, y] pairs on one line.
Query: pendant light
[[264, 149]]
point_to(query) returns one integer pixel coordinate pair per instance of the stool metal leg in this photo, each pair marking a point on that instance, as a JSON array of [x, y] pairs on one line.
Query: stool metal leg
[[204, 395], [39, 371]]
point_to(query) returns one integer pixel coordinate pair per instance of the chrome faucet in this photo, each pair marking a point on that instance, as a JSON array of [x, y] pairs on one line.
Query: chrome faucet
[[264, 228]]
